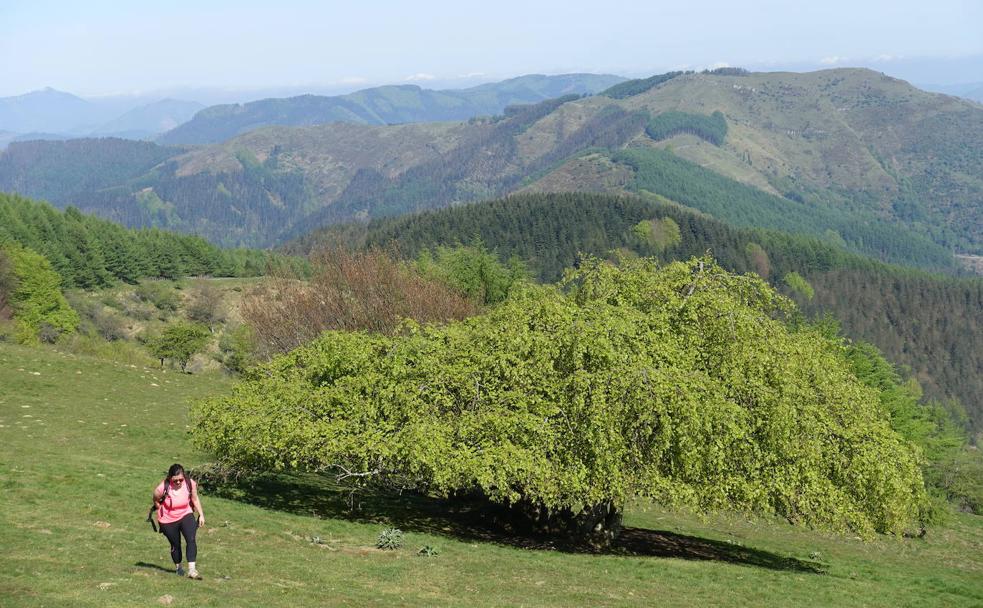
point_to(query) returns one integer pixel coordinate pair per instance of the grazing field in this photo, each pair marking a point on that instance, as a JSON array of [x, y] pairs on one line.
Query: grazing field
[[83, 442]]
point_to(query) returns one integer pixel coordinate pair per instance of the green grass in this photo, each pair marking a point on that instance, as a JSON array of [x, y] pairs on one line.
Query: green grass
[[83, 441]]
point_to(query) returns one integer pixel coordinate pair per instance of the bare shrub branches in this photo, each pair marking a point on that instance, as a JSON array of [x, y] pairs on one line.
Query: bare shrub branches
[[353, 291]]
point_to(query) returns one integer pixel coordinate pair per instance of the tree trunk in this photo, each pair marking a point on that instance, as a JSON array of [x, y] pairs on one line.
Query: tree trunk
[[598, 524]]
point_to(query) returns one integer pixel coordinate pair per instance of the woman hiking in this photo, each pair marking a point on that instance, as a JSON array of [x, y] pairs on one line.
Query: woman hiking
[[176, 499]]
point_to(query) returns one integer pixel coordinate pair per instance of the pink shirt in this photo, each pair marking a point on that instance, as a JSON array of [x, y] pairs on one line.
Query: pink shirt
[[176, 505]]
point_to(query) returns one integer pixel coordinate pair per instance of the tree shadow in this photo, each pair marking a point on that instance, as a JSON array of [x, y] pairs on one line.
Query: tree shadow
[[471, 520]]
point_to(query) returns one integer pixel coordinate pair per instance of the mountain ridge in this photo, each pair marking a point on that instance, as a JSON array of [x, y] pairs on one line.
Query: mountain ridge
[[381, 105], [851, 142]]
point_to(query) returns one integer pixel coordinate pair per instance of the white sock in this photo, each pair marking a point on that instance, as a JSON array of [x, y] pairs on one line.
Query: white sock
[[177, 566], [191, 567]]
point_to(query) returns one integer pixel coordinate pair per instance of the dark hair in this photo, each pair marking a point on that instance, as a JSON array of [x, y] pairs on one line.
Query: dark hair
[[174, 470]]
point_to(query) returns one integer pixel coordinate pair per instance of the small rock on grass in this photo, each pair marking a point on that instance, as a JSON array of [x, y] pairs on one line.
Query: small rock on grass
[[165, 600]]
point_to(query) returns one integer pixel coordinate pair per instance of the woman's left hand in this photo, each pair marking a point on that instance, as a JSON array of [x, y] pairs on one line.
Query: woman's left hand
[[201, 521]]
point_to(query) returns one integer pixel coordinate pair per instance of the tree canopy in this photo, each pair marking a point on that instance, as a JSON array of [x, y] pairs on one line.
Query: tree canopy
[[89, 252], [39, 308], [680, 383]]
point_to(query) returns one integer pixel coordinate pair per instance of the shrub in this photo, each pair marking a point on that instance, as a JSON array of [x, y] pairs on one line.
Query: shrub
[[473, 271], [37, 300], [179, 343], [960, 476], [8, 330], [368, 291], [799, 286], [111, 300], [7, 286], [659, 234], [97, 318], [206, 304], [390, 539], [108, 325], [48, 333], [758, 258], [237, 347], [138, 310], [159, 293]]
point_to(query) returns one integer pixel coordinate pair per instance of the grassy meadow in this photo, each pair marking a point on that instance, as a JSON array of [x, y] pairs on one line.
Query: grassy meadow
[[83, 441]]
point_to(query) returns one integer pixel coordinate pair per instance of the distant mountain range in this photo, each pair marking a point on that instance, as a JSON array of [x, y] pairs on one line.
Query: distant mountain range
[[854, 156], [49, 111], [147, 121], [51, 115], [382, 105]]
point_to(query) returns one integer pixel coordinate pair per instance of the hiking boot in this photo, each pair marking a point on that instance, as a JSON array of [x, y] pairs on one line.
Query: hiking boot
[[193, 574], [180, 570]]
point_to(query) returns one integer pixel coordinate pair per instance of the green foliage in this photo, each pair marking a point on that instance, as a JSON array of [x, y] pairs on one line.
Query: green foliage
[[659, 234], [799, 285], [711, 128], [96, 320], [662, 172], [910, 315], [931, 426], [390, 539], [89, 252], [474, 271], [237, 347], [59, 171], [39, 307], [159, 293], [678, 383], [179, 342], [428, 551], [960, 476]]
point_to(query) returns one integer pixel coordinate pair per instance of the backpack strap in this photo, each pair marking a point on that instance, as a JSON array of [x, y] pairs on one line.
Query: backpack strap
[[167, 488]]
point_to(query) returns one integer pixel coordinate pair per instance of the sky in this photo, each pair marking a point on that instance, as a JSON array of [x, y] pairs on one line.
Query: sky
[[98, 47]]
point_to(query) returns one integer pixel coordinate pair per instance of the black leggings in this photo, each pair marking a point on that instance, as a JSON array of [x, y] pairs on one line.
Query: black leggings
[[187, 526]]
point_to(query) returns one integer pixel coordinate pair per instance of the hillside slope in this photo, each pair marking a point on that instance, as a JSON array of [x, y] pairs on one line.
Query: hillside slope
[[381, 106], [149, 120], [72, 427]]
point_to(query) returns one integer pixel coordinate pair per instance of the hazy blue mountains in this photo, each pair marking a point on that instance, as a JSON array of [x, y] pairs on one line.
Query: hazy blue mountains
[[382, 105]]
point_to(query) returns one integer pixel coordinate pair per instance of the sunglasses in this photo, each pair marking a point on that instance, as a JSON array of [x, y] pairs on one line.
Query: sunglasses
[[177, 479]]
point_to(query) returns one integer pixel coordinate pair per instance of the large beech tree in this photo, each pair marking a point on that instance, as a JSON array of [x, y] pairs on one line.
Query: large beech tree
[[682, 383]]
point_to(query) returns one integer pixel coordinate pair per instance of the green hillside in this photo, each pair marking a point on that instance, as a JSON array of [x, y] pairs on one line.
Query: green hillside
[[89, 252], [74, 428], [912, 316], [61, 171], [685, 182], [382, 106], [838, 149]]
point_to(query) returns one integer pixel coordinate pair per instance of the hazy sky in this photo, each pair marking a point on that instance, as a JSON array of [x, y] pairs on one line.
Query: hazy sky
[[97, 47]]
